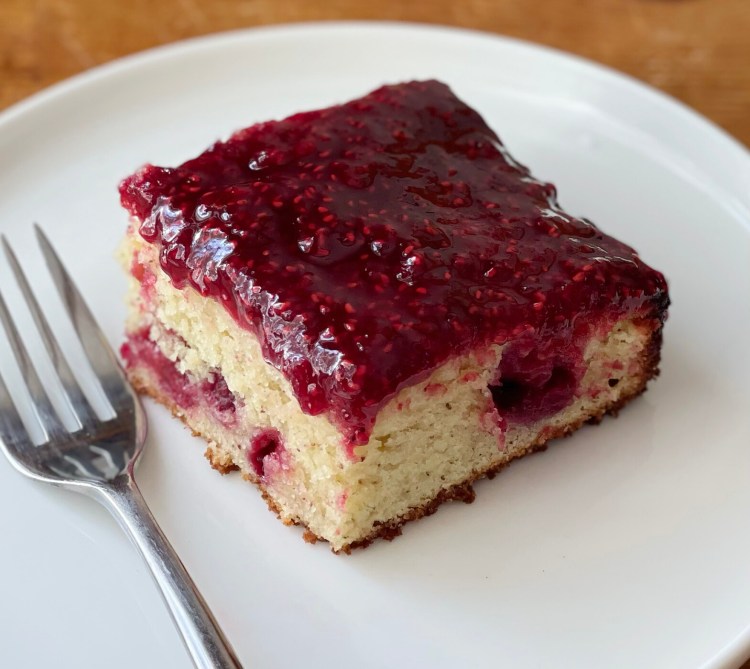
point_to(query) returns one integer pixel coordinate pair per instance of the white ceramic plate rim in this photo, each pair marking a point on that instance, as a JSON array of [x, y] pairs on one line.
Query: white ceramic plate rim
[[733, 172]]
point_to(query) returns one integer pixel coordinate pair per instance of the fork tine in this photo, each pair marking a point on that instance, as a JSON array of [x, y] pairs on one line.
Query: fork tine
[[13, 434], [15, 440], [100, 354], [77, 400], [45, 412]]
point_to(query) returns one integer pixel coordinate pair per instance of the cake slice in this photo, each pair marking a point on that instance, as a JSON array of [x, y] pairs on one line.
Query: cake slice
[[368, 307]]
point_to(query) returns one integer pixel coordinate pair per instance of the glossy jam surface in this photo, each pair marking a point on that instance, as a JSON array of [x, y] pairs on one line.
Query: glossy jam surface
[[369, 242]]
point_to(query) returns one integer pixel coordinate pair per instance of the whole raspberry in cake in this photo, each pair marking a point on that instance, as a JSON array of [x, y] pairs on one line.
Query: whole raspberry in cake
[[365, 308]]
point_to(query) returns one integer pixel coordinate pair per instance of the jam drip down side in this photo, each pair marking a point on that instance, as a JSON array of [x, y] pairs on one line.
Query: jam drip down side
[[367, 243]]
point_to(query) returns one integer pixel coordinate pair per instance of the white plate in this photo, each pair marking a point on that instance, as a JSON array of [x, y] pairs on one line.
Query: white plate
[[625, 546]]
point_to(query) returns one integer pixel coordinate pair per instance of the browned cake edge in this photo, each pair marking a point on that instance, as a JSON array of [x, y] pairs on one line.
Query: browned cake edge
[[464, 492]]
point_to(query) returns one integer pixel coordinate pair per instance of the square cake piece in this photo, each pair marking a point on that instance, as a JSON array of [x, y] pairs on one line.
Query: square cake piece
[[368, 307]]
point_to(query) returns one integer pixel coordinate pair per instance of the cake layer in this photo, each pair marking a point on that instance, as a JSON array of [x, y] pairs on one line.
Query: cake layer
[[428, 442], [365, 308], [367, 244]]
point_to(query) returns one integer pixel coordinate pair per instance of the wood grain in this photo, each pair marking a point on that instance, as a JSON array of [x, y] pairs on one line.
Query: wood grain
[[696, 50]]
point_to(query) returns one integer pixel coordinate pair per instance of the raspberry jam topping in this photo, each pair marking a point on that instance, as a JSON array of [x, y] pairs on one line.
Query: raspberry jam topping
[[367, 243]]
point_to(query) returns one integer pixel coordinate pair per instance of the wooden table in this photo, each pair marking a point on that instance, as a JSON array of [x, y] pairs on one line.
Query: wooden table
[[695, 50]]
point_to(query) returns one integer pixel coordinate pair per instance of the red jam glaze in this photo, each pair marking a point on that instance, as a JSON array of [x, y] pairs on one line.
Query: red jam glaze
[[369, 242]]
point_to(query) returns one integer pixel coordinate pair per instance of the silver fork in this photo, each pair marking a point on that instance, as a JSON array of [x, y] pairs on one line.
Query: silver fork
[[98, 459]]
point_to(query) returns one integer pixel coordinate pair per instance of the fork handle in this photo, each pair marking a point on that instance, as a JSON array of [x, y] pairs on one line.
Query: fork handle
[[200, 632]]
